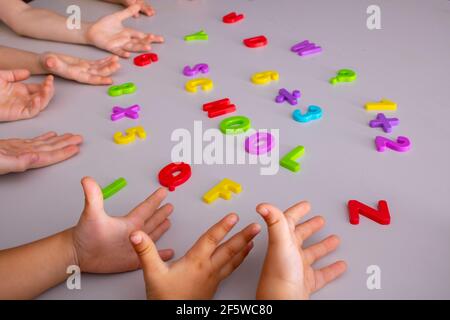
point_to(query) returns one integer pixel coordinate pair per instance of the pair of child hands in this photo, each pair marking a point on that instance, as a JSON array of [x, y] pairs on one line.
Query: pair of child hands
[[108, 33], [100, 243], [22, 101], [105, 244]]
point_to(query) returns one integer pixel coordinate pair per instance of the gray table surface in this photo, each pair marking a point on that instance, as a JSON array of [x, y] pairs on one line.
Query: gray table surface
[[406, 61]]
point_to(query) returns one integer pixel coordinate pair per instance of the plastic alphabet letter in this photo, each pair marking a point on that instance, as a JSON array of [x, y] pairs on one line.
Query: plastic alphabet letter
[[383, 105], [130, 112], [167, 177], [306, 48], [198, 68], [401, 145], [232, 17], [344, 75], [284, 95], [201, 35], [256, 42], [313, 113], [223, 190], [145, 59], [383, 122], [113, 188], [125, 88], [219, 107], [265, 77], [130, 136], [356, 208], [235, 125], [253, 143], [289, 161], [204, 83]]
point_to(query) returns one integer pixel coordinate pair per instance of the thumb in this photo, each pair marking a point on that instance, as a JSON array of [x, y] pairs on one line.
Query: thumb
[[277, 225], [128, 12], [93, 196], [51, 63], [148, 255]]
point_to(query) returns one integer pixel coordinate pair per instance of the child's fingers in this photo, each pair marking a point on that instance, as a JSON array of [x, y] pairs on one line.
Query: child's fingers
[[46, 92], [14, 75], [308, 228], [104, 60], [148, 207], [47, 158], [157, 218], [45, 136], [120, 52], [136, 34], [209, 241], [127, 13], [276, 222], [147, 10], [93, 197], [105, 69], [321, 249], [298, 211], [34, 106], [20, 75], [67, 140], [166, 254], [87, 76], [236, 261], [97, 80], [226, 251], [47, 84], [148, 254], [115, 46], [158, 232], [34, 87], [137, 46], [48, 81], [155, 38], [58, 142], [328, 274]]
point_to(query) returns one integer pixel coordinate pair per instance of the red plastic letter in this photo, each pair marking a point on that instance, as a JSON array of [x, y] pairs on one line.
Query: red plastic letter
[[168, 179], [232, 17], [382, 216], [145, 59], [219, 107], [255, 42]]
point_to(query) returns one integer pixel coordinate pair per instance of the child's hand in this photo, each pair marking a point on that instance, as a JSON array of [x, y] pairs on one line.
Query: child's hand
[[287, 271], [109, 34], [18, 155], [20, 101], [144, 7], [101, 242], [81, 70], [197, 274]]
